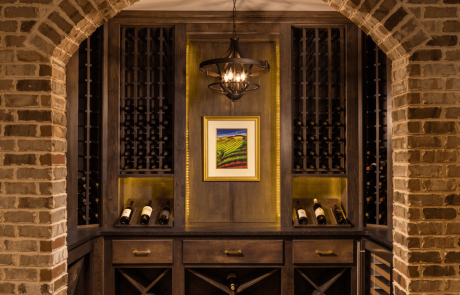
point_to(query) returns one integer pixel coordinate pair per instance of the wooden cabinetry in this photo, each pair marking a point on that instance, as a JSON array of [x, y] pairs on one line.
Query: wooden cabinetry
[[264, 265], [180, 259]]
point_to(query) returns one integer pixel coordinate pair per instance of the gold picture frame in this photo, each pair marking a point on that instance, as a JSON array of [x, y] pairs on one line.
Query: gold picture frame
[[221, 139]]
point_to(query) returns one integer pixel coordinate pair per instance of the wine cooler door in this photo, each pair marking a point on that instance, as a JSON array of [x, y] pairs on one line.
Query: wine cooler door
[[378, 269]]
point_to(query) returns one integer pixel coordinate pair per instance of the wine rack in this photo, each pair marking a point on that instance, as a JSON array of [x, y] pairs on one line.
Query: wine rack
[[89, 128], [144, 281], [328, 208], [319, 101], [147, 95], [322, 281], [375, 142], [213, 281]]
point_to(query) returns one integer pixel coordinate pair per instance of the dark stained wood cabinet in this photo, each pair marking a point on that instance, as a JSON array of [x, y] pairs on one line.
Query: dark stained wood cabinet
[[222, 226]]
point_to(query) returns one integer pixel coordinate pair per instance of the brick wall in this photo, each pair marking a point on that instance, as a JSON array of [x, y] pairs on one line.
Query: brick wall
[[37, 38]]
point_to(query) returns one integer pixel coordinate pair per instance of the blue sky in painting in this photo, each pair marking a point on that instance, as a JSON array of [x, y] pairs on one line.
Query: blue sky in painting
[[231, 132]]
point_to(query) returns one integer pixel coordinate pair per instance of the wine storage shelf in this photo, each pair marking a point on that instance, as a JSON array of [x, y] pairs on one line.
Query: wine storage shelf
[[213, 281], [322, 281], [157, 206], [147, 95], [89, 128], [327, 205], [375, 124], [144, 280], [319, 101]]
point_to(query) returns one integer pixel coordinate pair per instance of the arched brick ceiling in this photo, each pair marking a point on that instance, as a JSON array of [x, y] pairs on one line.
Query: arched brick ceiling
[[226, 5]]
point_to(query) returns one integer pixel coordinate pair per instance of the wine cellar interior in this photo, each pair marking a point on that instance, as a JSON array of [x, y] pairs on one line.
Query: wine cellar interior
[[137, 144]]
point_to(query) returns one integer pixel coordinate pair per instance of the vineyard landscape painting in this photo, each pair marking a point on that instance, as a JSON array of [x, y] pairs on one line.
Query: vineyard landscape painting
[[232, 148]]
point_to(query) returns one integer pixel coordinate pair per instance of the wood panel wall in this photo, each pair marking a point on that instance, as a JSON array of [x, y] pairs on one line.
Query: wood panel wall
[[232, 201]]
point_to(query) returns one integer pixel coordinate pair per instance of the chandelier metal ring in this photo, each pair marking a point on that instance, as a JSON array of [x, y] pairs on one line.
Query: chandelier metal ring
[[231, 73]]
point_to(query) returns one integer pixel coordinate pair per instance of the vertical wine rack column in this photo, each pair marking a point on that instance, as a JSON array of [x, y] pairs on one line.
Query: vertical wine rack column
[[89, 128], [375, 118], [147, 93], [319, 101]]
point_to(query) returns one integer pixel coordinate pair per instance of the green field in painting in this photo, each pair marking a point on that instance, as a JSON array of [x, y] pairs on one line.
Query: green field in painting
[[232, 152]]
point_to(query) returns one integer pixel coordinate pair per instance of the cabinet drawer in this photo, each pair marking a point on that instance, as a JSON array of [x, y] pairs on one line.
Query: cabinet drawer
[[232, 251], [142, 251], [331, 251]]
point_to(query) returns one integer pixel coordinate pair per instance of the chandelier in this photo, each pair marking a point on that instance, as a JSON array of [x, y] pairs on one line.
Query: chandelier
[[233, 75]]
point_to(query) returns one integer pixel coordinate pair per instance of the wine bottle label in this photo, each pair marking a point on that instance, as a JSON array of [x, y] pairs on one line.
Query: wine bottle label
[[165, 213], [147, 211], [319, 212], [301, 213], [126, 213]]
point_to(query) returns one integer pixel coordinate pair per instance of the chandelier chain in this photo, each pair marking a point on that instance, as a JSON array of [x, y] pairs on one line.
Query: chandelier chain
[[234, 25]]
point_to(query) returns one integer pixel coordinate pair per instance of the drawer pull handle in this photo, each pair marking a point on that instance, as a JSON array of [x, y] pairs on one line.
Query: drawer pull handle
[[233, 252], [136, 252], [329, 252]]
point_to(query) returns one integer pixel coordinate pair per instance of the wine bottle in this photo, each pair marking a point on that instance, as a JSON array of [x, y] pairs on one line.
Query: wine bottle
[[298, 153], [232, 281], [338, 110], [82, 182], [127, 214], [128, 137], [311, 165], [301, 214], [311, 123], [166, 165], [93, 184], [371, 167], [82, 215], [129, 150], [371, 182], [323, 123], [154, 151], [311, 153], [129, 123], [166, 153], [311, 137], [153, 165], [94, 199], [297, 165], [141, 137], [167, 107], [142, 123], [298, 123], [166, 138], [129, 108], [338, 215], [93, 216], [82, 212], [382, 199], [142, 152], [141, 108], [153, 137], [82, 199], [153, 122], [128, 165], [141, 163], [146, 212], [319, 212], [165, 122], [298, 137], [165, 214]]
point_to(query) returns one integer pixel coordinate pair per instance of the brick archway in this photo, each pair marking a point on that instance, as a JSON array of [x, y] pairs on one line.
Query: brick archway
[[37, 38]]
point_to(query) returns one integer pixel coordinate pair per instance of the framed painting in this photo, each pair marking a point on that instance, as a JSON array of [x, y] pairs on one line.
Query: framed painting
[[231, 148]]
